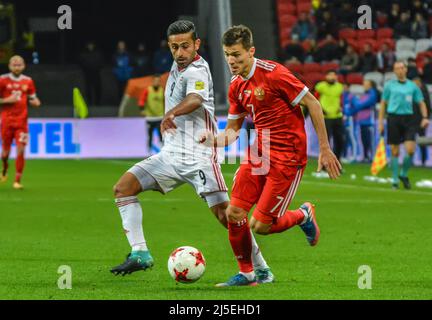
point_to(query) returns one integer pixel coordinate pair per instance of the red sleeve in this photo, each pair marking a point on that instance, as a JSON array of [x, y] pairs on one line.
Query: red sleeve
[[236, 110], [290, 88], [2, 81], [143, 98]]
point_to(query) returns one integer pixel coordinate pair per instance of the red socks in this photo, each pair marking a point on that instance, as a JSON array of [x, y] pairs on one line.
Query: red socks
[[241, 243], [288, 220], [19, 165]]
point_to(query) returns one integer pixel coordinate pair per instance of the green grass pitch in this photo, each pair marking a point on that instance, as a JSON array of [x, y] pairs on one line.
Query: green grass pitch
[[66, 216]]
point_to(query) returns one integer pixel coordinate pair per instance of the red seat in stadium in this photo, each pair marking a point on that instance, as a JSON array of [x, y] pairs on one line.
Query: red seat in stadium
[[287, 21], [353, 43], [347, 33], [391, 43], [420, 59], [304, 7], [284, 36], [286, 8], [354, 78], [362, 42], [295, 67], [311, 67], [312, 79], [341, 78], [329, 66], [365, 34], [383, 33]]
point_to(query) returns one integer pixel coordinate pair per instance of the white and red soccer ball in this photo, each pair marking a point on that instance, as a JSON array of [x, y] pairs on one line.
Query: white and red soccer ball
[[186, 264]]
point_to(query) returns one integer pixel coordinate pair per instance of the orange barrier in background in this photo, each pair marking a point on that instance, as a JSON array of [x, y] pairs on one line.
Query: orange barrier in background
[[136, 85]]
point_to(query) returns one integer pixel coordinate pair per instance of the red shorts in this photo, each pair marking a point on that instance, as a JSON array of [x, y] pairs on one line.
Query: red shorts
[[272, 193], [9, 133]]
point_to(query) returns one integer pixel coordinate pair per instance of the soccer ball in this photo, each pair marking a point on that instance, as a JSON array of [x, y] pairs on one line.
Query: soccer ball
[[186, 264]]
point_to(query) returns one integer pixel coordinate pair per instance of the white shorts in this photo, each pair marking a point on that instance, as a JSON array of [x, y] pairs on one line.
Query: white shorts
[[170, 173]]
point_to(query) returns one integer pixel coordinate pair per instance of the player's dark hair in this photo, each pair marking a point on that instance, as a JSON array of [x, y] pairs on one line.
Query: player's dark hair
[[180, 27], [238, 34]]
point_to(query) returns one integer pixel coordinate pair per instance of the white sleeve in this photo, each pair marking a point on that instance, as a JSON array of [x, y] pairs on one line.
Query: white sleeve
[[197, 81]]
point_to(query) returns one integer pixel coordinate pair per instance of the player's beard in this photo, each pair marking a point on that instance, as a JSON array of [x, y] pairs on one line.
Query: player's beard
[[16, 74]]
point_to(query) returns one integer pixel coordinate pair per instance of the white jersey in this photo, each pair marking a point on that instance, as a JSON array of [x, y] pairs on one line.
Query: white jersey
[[195, 78]]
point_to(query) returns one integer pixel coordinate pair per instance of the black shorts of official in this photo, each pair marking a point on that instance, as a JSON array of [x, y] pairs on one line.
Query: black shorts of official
[[401, 128]]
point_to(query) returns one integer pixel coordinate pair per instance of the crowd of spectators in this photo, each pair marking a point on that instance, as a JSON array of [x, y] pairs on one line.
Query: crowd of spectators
[[326, 31]]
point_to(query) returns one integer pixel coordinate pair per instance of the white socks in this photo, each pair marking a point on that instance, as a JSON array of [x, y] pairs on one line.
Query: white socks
[[257, 258], [131, 214]]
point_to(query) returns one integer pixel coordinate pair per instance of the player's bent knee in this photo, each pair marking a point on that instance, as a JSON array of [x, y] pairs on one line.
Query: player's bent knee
[[127, 186]]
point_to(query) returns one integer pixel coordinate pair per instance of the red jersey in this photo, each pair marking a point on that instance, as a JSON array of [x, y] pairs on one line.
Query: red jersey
[[24, 88], [270, 95]]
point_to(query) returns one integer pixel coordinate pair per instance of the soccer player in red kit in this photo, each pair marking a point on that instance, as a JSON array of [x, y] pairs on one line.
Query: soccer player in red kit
[[271, 95], [15, 90]]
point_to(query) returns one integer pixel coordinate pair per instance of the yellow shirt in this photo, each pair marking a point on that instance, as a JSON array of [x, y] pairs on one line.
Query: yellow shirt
[[330, 99]]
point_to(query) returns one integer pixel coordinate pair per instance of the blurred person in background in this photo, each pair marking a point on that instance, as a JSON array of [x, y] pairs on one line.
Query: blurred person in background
[[152, 103], [142, 62], [294, 51], [412, 69], [330, 93], [92, 62], [427, 71], [402, 28], [305, 29], [162, 59], [350, 61], [419, 28], [362, 108], [122, 67], [385, 58], [422, 131], [368, 59]]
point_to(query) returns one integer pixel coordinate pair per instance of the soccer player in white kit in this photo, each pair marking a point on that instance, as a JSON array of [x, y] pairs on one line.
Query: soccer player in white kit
[[189, 111]]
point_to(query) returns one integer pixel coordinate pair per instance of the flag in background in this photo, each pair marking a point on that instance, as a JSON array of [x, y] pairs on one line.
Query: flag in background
[[79, 103], [380, 159]]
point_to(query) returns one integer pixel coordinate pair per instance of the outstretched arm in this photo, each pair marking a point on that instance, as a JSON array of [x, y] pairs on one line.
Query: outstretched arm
[[327, 158]]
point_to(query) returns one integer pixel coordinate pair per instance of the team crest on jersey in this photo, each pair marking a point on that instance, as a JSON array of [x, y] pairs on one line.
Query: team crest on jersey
[[24, 87], [9, 86], [259, 93], [199, 85]]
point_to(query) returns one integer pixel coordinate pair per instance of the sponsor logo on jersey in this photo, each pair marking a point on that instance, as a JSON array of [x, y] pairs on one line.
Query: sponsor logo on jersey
[[199, 85], [259, 93], [247, 93]]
